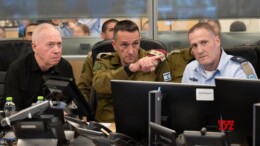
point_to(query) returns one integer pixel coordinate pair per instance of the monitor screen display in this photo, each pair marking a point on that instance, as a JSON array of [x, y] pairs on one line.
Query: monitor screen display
[[236, 97], [180, 108]]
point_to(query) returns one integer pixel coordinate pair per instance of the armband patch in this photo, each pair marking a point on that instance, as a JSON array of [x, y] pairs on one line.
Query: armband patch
[[246, 66], [97, 66]]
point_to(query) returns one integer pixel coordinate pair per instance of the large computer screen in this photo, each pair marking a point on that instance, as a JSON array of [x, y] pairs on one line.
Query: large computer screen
[[236, 97], [68, 90], [181, 109]]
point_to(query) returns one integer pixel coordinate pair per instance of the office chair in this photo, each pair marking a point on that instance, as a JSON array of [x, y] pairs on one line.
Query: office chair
[[10, 50]]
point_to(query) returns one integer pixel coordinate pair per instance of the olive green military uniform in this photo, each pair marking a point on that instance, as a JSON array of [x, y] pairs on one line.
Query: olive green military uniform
[[85, 83], [177, 61], [106, 69]]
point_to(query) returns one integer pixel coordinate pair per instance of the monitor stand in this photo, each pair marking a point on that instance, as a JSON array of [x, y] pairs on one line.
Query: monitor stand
[[155, 100], [38, 142]]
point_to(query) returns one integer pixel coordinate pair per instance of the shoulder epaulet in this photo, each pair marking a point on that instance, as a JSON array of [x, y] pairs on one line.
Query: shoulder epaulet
[[246, 66], [238, 59], [104, 54], [175, 52], [157, 52]]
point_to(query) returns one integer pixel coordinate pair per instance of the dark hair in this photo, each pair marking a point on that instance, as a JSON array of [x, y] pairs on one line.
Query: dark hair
[[84, 27], [31, 24], [201, 25], [237, 26], [106, 23], [125, 25]]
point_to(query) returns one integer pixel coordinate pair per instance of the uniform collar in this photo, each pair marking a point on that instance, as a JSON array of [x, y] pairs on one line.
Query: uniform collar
[[116, 59], [223, 62], [35, 66]]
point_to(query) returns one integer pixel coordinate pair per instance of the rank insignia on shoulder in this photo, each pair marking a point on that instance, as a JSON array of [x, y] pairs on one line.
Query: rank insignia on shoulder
[[158, 52], [167, 76], [238, 59], [194, 79]]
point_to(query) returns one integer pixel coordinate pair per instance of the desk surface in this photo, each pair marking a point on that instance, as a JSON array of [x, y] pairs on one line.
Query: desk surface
[[80, 140]]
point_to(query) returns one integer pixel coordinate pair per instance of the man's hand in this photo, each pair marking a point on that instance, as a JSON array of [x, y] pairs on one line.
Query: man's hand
[[146, 64]]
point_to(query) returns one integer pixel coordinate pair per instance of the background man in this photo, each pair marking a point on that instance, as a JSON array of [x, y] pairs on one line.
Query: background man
[[28, 31], [108, 29], [211, 60], [2, 32], [237, 26], [24, 78], [85, 83]]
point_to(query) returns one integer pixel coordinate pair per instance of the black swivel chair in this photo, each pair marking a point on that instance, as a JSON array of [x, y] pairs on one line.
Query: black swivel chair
[[10, 50], [106, 46], [249, 52]]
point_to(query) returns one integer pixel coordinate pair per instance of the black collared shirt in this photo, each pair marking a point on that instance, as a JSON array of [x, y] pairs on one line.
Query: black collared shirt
[[24, 79]]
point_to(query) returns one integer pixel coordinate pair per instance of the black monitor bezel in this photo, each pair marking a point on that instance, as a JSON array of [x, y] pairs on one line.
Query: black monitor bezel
[[68, 86], [236, 98], [132, 116]]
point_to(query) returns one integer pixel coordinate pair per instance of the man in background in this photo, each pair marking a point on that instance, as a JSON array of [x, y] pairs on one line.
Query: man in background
[[28, 31], [237, 26], [2, 32], [85, 83], [108, 29]]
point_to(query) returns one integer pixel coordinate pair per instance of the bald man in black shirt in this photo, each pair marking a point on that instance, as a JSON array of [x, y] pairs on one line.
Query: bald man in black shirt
[[24, 78]]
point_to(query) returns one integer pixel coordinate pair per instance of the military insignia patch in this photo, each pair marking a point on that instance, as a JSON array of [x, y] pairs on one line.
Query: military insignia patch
[[97, 66], [167, 76]]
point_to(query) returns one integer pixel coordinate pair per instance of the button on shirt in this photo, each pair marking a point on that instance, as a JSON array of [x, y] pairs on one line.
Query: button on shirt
[[195, 73]]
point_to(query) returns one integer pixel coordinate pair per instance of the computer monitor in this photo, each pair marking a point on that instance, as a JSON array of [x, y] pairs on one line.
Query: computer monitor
[[236, 98], [68, 91], [180, 108], [194, 138]]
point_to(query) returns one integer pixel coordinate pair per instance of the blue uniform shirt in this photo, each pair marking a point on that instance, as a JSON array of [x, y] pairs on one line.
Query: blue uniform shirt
[[195, 73]]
